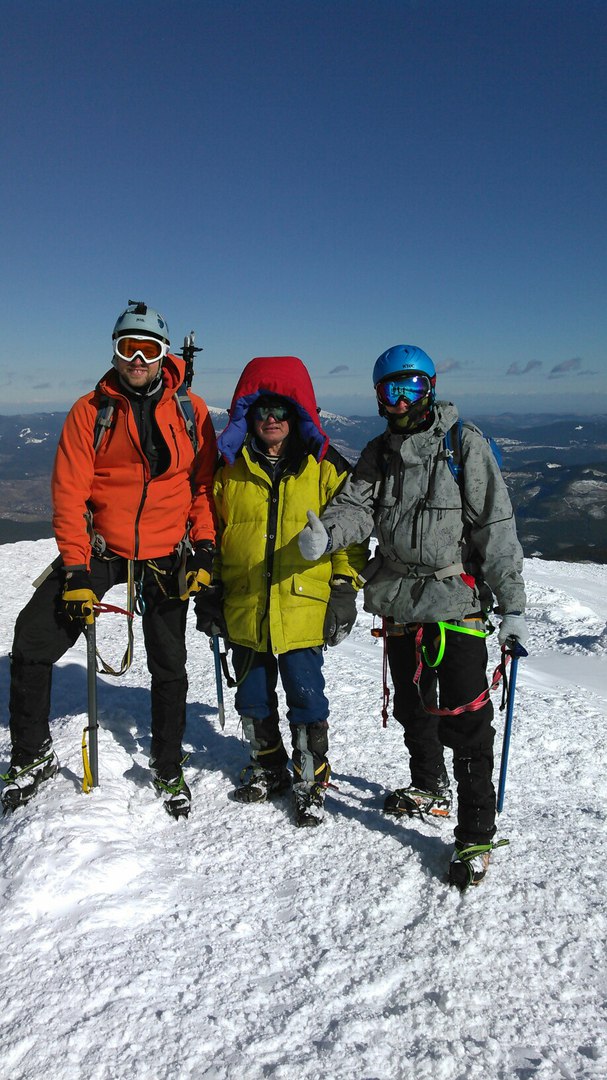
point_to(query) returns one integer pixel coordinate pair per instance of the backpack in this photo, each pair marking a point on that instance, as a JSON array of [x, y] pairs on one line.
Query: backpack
[[105, 414], [452, 444]]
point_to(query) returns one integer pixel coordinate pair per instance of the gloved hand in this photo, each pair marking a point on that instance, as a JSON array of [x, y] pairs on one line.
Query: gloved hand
[[198, 570], [78, 597], [313, 540], [513, 625], [341, 611], [208, 606]]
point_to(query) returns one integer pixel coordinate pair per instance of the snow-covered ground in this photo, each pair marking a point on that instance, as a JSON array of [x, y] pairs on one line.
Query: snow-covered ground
[[236, 947]]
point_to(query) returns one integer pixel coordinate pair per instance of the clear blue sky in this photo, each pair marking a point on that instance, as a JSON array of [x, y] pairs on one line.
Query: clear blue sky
[[324, 179]]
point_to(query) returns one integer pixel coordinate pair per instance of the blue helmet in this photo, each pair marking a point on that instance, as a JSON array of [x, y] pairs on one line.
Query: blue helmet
[[141, 319], [403, 359]]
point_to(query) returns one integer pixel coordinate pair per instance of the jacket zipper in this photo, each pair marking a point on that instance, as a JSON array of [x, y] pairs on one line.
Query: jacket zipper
[[419, 509], [143, 493], [176, 444], [271, 544]]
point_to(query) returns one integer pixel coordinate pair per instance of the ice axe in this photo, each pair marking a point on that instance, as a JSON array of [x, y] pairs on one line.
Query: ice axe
[[90, 757], [90, 761], [514, 648], [218, 680]]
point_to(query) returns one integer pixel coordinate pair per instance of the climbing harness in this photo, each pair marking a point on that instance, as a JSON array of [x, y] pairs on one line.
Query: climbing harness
[[391, 629]]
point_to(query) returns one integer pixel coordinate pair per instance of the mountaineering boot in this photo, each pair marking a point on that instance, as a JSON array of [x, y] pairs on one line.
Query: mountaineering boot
[[258, 784], [415, 802], [309, 803], [470, 862], [312, 771], [23, 780], [175, 793], [267, 774]]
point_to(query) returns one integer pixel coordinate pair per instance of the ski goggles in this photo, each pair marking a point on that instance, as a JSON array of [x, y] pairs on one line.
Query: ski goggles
[[149, 349], [410, 387], [263, 410]]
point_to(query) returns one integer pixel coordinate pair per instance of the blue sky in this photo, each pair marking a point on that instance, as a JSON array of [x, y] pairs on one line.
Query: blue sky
[[324, 179]]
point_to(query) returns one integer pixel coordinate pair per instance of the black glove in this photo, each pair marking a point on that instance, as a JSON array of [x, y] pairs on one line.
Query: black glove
[[208, 606], [78, 597], [198, 570], [341, 611]]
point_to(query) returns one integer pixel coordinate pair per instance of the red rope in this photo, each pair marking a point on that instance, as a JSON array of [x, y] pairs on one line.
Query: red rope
[[100, 609]]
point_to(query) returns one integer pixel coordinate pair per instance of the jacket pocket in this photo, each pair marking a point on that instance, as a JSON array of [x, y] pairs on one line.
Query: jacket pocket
[[441, 532], [310, 588]]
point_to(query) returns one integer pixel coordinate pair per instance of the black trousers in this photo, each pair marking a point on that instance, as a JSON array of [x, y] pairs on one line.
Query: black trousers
[[460, 677], [43, 635]]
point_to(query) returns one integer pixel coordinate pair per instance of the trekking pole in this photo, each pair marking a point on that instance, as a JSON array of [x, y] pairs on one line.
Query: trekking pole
[[218, 680], [189, 348], [91, 762], [516, 651]]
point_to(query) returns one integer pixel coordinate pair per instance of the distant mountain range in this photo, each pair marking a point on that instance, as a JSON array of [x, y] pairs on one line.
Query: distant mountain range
[[555, 468]]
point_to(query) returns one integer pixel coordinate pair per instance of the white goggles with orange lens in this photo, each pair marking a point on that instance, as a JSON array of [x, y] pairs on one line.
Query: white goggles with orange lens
[[131, 345]]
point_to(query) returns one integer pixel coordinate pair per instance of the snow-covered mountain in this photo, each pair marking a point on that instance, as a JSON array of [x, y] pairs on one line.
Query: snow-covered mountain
[[236, 947], [555, 468]]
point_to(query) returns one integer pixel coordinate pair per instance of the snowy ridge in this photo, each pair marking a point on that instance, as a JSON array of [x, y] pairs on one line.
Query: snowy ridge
[[235, 947], [346, 421]]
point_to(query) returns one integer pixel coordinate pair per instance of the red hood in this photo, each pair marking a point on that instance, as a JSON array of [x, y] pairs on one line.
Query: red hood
[[287, 377]]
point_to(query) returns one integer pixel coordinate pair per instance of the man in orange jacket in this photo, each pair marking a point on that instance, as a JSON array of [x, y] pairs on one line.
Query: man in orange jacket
[[137, 496]]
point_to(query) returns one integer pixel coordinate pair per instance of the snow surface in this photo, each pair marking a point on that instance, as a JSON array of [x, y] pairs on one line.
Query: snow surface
[[236, 947]]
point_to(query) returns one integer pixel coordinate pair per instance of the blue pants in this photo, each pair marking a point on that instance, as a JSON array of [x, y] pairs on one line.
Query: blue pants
[[307, 709], [301, 676]]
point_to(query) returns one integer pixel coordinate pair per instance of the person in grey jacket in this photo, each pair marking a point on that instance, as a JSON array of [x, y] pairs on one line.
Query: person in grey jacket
[[443, 547]]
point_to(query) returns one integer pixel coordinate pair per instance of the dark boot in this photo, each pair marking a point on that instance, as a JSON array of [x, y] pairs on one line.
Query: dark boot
[[175, 794], [267, 775], [469, 862], [23, 780], [312, 771], [416, 802]]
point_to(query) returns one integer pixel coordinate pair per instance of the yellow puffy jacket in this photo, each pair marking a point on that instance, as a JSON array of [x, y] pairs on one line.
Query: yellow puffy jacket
[[273, 598]]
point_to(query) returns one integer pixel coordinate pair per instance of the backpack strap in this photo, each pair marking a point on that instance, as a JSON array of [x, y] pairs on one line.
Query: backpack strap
[[452, 444], [105, 415], [186, 408]]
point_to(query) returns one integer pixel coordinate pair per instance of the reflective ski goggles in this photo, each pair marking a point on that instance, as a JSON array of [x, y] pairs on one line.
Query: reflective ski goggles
[[149, 349], [263, 410], [410, 387]]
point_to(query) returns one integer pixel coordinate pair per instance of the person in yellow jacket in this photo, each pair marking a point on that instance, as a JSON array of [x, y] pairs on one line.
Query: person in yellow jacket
[[276, 609]]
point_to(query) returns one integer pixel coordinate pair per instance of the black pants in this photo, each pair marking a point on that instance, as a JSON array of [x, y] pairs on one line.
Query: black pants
[[43, 635], [461, 677]]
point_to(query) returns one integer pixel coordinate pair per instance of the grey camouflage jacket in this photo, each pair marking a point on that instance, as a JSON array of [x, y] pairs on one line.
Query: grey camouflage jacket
[[429, 533]]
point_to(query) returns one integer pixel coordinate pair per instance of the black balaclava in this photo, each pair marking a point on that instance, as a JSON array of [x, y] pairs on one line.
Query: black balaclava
[[418, 417]]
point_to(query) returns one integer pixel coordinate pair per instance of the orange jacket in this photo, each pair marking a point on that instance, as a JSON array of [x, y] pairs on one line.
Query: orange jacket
[[138, 517]]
